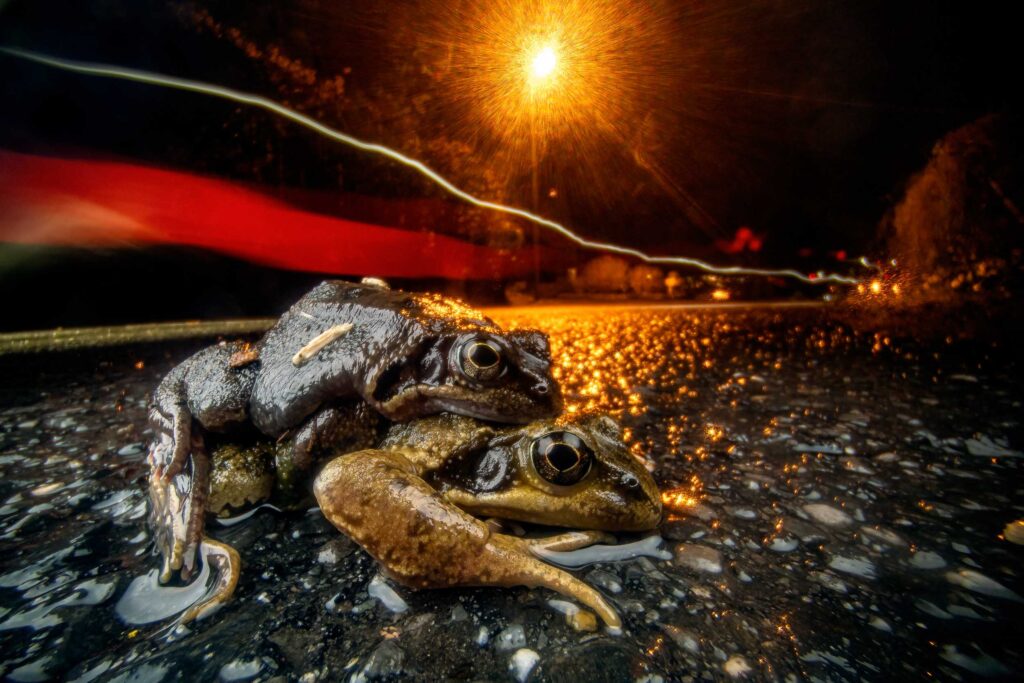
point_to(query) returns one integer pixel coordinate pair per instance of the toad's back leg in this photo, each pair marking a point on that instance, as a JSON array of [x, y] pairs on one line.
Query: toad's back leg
[[378, 499], [207, 392]]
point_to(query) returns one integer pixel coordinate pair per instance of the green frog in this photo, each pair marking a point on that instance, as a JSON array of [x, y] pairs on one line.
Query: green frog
[[404, 355], [427, 499]]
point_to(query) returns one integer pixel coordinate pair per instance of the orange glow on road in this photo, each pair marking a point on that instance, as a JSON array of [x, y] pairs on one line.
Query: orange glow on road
[[678, 500]]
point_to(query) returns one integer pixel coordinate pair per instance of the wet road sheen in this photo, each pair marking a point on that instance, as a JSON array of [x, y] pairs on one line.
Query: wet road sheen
[[837, 503]]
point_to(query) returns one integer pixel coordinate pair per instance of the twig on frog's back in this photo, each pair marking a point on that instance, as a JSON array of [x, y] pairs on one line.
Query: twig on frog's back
[[318, 342], [245, 355]]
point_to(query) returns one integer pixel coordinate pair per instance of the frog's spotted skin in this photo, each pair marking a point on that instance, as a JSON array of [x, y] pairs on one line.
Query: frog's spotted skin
[[405, 355], [415, 501]]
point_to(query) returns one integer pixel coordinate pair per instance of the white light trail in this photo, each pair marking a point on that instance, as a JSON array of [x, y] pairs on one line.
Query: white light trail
[[108, 71]]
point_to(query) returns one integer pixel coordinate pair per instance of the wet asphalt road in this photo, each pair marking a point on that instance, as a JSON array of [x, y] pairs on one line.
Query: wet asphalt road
[[837, 497]]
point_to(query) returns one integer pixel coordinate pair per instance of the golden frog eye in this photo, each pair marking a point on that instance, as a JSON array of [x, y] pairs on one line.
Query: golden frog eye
[[481, 360], [561, 458]]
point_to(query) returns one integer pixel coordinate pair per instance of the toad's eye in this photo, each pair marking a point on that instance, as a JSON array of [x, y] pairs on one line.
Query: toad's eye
[[481, 360], [561, 458]]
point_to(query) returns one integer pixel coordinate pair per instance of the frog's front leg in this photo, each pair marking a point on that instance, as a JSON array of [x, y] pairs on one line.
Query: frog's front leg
[[571, 540], [341, 427], [378, 498]]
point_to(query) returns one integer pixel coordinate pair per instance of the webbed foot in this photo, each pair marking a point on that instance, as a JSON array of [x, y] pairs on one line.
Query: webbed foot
[[224, 560]]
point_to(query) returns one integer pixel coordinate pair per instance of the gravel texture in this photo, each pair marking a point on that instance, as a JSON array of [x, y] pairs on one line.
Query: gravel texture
[[837, 500]]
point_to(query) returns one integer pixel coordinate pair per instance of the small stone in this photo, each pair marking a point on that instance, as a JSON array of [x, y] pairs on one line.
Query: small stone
[[684, 638], [582, 620], [926, 559], [880, 533], [522, 663], [736, 666], [830, 581], [699, 558], [783, 544], [241, 669], [806, 532], [387, 595], [826, 514], [383, 662], [853, 565], [979, 583], [511, 638], [881, 624], [130, 449], [604, 579]]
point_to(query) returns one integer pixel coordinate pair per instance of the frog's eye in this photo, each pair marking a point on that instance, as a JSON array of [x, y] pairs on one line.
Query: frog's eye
[[561, 457], [481, 360]]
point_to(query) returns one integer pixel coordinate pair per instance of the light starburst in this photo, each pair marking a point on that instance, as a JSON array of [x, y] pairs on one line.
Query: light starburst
[[544, 63]]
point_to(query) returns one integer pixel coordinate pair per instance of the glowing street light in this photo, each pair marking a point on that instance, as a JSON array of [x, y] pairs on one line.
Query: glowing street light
[[544, 63], [577, 72]]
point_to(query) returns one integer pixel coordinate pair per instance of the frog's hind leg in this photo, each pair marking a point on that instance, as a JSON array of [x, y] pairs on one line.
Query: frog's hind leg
[[227, 565], [177, 508], [208, 392], [378, 498]]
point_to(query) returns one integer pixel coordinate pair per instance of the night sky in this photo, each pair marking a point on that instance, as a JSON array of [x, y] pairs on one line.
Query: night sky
[[801, 120]]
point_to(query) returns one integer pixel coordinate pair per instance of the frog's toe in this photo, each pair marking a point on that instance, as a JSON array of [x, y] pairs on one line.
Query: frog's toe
[[509, 565]]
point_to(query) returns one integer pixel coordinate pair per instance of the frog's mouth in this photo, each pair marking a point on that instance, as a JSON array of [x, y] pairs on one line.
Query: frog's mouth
[[425, 382], [551, 511], [418, 399]]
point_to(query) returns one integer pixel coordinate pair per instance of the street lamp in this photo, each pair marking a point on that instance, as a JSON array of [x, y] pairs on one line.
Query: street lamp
[[539, 75], [574, 75]]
